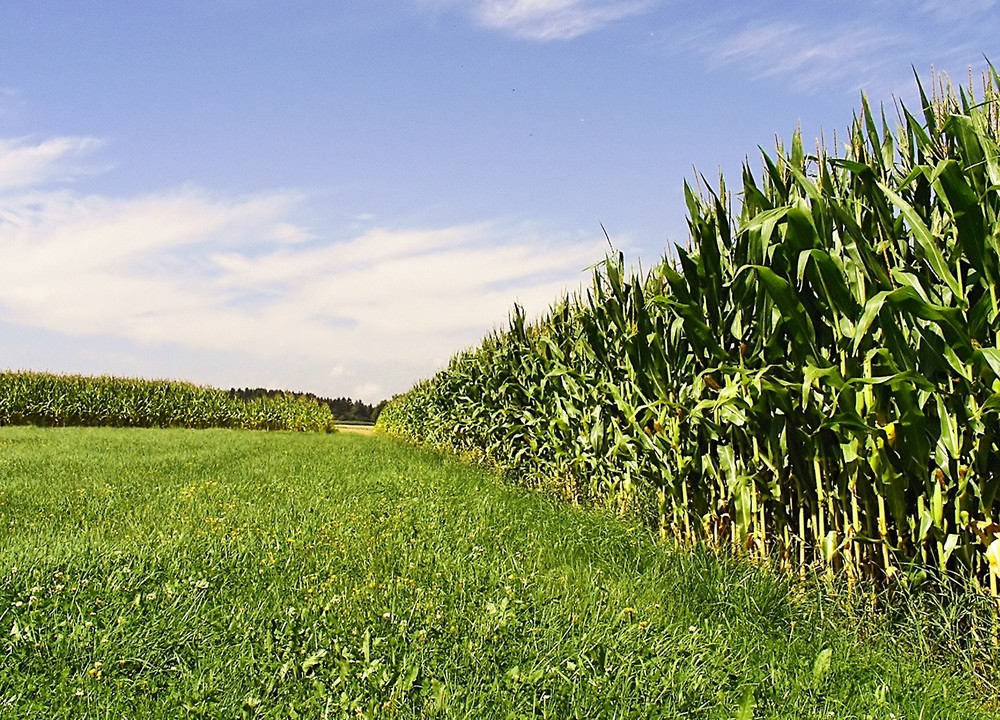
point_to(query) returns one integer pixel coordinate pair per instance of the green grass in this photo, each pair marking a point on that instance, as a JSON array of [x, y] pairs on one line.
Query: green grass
[[173, 573]]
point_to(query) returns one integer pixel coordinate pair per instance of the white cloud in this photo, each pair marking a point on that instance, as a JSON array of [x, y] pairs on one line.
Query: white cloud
[[289, 234], [545, 20], [957, 10], [368, 390], [810, 58], [25, 164], [873, 49], [222, 275]]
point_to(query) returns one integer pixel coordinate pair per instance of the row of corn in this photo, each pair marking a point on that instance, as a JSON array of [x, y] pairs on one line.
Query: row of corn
[[28, 398], [816, 377]]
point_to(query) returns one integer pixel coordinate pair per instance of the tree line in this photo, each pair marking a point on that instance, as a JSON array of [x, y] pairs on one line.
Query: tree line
[[342, 408]]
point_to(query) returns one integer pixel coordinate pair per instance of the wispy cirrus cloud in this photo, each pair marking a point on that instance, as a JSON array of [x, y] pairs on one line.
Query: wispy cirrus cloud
[[238, 275], [871, 48], [957, 10], [811, 58], [545, 20]]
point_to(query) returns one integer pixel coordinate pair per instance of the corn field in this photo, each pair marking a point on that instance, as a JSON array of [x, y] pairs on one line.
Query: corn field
[[814, 378], [28, 398]]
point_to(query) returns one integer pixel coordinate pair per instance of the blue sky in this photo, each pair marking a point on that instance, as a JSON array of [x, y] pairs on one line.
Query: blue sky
[[336, 196]]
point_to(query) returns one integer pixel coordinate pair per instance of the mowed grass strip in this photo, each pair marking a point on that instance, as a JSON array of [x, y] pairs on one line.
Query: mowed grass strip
[[175, 573]]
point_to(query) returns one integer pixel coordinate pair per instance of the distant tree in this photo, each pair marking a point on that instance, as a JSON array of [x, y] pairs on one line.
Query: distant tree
[[377, 410], [342, 408]]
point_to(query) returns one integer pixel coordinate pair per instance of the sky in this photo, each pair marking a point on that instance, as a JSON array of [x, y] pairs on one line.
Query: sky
[[336, 196]]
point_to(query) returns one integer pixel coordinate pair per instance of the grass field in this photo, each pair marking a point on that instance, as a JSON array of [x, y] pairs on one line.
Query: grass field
[[177, 573]]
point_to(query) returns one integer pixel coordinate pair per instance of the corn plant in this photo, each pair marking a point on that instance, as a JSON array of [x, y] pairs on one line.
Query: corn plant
[[28, 398], [815, 376]]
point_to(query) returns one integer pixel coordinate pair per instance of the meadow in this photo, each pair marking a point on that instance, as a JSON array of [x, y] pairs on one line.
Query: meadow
[[779, 450], [223, 573]]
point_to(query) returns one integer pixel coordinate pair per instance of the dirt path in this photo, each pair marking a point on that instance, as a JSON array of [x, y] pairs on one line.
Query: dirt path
[[357, 429]]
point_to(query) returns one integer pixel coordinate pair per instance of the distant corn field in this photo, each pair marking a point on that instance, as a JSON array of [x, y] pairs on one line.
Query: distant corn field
[[28, 398], [815, 378]]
